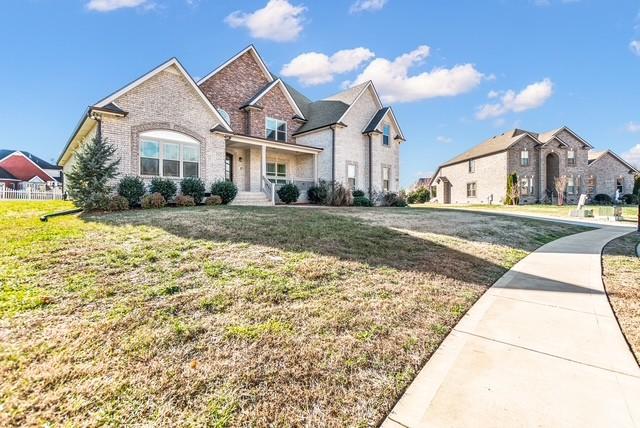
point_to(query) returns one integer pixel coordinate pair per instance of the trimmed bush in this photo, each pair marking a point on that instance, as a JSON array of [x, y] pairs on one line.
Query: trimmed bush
[[358, 193], [185, 201], [361, 201], [213, 200], [629, 199], [117, 203], [154, 200], [167, 188], [318, 194], [132, 188], [194, 187], [602, 199], [288, 193], [225, 189]]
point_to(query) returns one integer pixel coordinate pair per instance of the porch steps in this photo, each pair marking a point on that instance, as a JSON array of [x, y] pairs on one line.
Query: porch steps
[[251, 199]]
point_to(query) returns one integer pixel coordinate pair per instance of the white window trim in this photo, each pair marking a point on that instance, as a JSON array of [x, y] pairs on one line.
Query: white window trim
[[286, 129], [386, 126], [469, 163], [522, 158], [286, 177], [475, 189], [168, 137]]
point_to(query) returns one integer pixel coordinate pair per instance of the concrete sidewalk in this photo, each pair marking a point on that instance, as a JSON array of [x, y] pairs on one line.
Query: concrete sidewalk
[[541, 348]]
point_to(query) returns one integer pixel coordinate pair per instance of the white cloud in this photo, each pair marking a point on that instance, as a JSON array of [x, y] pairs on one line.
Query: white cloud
[[635, 47], [632, 127], [533, 96], [110, 5], [633, 156], [313, 68], [395, 85], [279, 21], [493, 94], [367, 5], [440, 139]]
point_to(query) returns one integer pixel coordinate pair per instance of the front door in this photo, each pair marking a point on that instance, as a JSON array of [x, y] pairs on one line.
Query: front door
[[447, 193], [228, 167]]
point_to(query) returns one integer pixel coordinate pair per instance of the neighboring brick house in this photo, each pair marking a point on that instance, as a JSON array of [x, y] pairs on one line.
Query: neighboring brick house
[[479, 175], [244, 124], [20, 169]]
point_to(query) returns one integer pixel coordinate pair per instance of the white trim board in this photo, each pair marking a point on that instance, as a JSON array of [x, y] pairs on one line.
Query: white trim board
[[19, 153]]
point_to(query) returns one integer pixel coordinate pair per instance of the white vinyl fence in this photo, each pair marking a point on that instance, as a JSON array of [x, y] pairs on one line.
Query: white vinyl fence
[[30, 195]]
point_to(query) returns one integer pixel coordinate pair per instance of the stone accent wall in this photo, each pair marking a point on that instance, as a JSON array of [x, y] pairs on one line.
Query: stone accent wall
[[606, 170], [165, 101]]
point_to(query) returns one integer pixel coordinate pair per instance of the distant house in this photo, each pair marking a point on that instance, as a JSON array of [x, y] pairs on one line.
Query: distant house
[[20, 170], [421, 182], [479, 175]]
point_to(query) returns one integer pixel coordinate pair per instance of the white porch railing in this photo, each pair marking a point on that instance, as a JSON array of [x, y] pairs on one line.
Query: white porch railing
[[29, 195], [269, 189]]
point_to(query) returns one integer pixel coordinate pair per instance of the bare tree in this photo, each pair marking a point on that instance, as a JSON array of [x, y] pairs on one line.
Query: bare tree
[[561, 188]]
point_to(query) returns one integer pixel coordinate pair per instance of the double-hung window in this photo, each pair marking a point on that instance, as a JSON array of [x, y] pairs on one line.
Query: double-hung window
[[524, 186], [434, 191], [190, 161], [386, 135], [471, 190], [571, 158], [524, 158], [276, 129], [277, 172], [571, 186], [166, 158], [150, 158], [591, 185], [386, 173], [351, 176], [472, 165], [620, 184]]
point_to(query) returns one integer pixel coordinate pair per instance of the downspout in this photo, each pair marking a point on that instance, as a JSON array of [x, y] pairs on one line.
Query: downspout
[[333, 155], [370, 166]]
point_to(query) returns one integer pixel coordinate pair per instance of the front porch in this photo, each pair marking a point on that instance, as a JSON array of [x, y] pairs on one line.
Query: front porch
[[258, 166]]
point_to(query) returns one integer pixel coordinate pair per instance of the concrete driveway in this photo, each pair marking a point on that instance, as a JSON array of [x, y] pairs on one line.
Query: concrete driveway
[[541, 348]]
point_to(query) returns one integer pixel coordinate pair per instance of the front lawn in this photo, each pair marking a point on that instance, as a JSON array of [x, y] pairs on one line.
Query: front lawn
[[235, 316], [621, 275], [629, 212]]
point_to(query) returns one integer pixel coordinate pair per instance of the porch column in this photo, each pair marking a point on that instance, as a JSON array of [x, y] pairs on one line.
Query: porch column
[[315, 168], [263, 163]]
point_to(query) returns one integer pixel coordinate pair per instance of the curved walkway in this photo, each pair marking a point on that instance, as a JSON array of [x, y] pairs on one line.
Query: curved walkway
[[541, 348]]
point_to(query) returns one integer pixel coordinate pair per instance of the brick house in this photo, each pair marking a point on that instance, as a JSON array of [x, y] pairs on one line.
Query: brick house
[[20, 170], [242, 123], [479, 175]]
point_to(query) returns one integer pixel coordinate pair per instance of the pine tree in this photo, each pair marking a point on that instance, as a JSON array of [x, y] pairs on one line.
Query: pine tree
[[636, 185], [88, 181]]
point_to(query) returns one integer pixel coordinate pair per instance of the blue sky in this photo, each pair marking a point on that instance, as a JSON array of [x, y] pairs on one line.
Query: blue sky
[[471, 69]]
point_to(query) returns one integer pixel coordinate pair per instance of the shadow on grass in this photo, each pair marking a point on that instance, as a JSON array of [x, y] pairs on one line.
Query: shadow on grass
[[319, 231]]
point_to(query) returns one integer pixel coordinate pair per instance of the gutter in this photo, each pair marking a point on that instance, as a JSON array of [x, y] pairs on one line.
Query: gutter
[[333, 155]]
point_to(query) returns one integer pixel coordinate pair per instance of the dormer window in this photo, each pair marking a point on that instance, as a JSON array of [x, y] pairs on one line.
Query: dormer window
[[524, 158], [276, 129], [386, 135], [571, 157], [225, 116]]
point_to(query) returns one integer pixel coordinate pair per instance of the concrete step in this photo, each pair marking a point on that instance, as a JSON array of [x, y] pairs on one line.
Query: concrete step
[[251, 199]]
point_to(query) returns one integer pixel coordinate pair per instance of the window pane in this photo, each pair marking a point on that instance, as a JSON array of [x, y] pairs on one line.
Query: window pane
[[271, 124], [282, 136], [190, 153], [150, 149], [171, 151], [271, 134], [351, 171], [385, 173], [149, 166], [282, 170], [387, 130], [171, 168], [282, 126], [271, 168], [190, 169]]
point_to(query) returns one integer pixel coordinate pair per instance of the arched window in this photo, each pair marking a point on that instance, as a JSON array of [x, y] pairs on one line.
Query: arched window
[[225, 116], [169, 154]]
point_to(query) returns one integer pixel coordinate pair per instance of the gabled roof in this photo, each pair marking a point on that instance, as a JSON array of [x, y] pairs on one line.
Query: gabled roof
[[321, 114], [40, 163], [6, 175], [111, 108], [546, 137], [268, 87], [105, 102], [348, 96], [361, 90], [251, 49], [594, 156], [377, 118]]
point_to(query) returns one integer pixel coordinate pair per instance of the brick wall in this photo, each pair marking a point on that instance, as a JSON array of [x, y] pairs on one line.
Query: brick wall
[[607, 170], [274, 104]]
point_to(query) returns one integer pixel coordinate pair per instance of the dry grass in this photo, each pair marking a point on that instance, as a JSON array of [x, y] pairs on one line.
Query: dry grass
[[230, 316], [621, 275]]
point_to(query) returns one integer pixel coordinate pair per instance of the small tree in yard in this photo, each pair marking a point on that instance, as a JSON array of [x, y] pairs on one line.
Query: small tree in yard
[[88, 181], [561, 188], [513, 191]]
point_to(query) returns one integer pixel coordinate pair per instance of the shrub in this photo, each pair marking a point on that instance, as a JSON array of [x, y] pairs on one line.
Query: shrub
[[225, 189], [132, 188], [358, 193], [630, 199], [117, 203], [318, 194], [602, 199], [213, 200], [167, 188], [288, 193], [391, 199], [154, 200], [194, 187], [419, 196], [339, 196], [185, 201], [361, 201], [88, 181]]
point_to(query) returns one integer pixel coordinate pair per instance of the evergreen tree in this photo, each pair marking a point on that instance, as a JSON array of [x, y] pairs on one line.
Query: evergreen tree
[[513, 191], [636, 185], [88, 181]]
